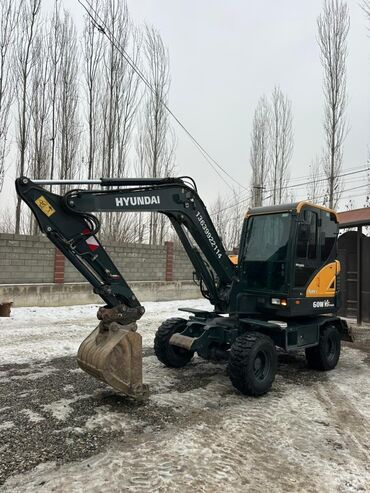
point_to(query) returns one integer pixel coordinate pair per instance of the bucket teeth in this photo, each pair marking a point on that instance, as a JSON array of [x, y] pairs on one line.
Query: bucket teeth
[[112, 353]]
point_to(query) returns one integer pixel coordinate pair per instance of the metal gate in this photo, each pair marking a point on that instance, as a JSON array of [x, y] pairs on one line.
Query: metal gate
[[354, 256]]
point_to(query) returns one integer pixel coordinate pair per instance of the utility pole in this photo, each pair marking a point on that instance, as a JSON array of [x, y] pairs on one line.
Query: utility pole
[[257, 195]]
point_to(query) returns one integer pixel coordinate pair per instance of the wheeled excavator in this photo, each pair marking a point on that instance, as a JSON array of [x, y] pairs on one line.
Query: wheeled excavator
[[280, 294]]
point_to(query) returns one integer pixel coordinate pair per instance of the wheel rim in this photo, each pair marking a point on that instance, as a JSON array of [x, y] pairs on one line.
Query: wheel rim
[[261, 365], [331, 348]]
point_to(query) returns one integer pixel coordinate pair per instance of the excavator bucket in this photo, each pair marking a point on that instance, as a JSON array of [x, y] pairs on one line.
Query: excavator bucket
[[112, 353]]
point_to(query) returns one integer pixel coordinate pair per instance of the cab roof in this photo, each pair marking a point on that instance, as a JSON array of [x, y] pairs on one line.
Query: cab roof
[[292, 207]]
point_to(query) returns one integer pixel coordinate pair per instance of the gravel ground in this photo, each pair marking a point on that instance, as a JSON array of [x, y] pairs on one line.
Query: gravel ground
[[63, 431]]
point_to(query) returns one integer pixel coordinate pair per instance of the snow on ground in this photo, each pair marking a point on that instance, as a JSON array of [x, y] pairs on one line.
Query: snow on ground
[[42, 333], [64, 431]]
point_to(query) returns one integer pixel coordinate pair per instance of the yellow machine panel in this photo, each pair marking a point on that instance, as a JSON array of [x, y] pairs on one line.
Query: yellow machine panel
[[324, 282], [234, 259]]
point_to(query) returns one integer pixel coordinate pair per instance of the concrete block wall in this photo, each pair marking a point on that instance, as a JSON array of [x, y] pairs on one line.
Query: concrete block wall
[[136, 262], [182, 267], [33, 259], [26, 259]]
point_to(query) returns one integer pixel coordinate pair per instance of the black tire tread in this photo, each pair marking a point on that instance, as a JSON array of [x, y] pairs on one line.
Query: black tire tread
[[162, 347], [239, 356], [314, 355]]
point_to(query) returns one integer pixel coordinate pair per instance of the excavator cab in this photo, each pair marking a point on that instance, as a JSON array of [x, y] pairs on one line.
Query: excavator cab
[[287, 262]]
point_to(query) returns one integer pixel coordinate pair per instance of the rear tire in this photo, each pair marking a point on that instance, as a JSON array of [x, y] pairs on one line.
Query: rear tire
[[253, 363], [326, 354], [169, 355]]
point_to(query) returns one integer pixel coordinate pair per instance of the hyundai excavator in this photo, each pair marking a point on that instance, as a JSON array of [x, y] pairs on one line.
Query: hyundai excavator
[[281, 293]]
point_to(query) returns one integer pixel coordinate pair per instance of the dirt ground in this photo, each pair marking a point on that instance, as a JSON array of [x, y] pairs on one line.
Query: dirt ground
[[62, 431]]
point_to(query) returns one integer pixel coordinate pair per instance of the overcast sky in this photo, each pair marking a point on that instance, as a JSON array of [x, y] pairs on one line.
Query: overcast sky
[[225, 54]]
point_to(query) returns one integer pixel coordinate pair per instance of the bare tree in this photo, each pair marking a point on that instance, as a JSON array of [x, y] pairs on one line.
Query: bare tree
[[158, 140], [39, 134], [333, 26], [259, 151], [142, 219], [8, 19], [366, 8], [281, 144], [25, 60], [7, 220], [314, 190], [220, 217], [55, 54], [235, 221], [68, 97], [39, 111], [227, 216], [93, 54], [119, 104]]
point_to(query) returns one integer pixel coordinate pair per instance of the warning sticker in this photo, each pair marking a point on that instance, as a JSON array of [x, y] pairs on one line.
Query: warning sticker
[[44, 205]]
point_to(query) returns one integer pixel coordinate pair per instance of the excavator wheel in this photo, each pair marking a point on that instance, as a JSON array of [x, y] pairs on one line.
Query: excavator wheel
[[112, 353], [253, 363], [326, 354], [168, 354]]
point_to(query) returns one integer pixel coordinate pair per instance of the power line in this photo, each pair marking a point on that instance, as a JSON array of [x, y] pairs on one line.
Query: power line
[[344, 173], [321, 180], [292, 186], [343, 191], [102, 27], [322, 173], [346, 197]]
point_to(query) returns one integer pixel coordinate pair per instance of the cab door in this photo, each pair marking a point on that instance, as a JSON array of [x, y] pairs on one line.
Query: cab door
[[307, 258]]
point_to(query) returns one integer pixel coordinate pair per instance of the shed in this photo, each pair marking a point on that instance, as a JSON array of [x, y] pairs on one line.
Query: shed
[[354, 255]]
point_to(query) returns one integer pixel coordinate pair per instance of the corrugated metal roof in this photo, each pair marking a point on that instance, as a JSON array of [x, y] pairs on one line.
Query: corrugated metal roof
[[355, 217]]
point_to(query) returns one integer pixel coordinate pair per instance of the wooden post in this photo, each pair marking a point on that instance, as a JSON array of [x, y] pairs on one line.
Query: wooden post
[[359, 275]]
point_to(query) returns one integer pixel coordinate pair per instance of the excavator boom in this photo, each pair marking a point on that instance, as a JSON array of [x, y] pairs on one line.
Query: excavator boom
[[112, 352]]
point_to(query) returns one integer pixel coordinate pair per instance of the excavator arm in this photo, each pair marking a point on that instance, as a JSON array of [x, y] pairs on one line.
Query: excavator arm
[[112, 352], [69, 223]]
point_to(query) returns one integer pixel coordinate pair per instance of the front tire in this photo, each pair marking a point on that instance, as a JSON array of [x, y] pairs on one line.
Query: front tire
[[253, 363], [169, 355], [326, 354]]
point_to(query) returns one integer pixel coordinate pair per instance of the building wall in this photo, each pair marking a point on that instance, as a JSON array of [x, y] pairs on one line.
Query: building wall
[[31, 259], [182, 267], [26, 259]]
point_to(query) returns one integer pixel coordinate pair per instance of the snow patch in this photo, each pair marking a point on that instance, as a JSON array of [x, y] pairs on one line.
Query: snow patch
[[109, 421], [42, 333], [33, 416], [61, 409], [6, 425]]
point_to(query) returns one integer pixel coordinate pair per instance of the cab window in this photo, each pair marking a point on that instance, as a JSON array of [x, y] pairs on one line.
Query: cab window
[[307, 248], [329, 234], [307, 236]]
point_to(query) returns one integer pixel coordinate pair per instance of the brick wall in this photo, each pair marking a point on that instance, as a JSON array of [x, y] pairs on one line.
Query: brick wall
[[33, 259]]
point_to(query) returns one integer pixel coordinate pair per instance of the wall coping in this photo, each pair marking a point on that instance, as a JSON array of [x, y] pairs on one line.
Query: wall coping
[[86, 283]]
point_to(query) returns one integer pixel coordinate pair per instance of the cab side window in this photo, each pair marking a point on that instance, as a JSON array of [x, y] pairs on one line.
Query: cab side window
[[307, 236], [307, 249], [329, 234]]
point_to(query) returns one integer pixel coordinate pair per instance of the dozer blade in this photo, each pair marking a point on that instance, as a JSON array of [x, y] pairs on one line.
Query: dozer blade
[[113, 354]]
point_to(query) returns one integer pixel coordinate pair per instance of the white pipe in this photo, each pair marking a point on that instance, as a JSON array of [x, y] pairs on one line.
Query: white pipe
[[67, 182]]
